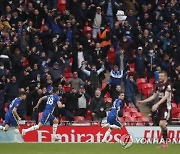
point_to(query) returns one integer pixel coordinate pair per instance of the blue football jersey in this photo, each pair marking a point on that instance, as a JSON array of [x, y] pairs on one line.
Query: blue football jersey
[[116, 104], [51, 102], [14, 104]]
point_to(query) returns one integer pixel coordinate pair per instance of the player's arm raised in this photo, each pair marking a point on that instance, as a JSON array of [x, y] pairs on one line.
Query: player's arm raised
[[60, 105], [14, 111], [151, 98], [162, 100], [39, 102]]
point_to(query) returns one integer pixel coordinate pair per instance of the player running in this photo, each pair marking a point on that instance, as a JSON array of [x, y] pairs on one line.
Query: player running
[[112, 118], [11, 116], [163, 106], [52, 100]]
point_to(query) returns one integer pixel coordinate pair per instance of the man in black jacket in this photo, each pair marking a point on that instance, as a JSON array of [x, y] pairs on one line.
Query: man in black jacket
[[98, 106]]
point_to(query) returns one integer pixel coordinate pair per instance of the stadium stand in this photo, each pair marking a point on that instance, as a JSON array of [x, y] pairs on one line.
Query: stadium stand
[[43, 42]]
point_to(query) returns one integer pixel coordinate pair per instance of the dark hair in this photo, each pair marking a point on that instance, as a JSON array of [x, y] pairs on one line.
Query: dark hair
[[55, 89]]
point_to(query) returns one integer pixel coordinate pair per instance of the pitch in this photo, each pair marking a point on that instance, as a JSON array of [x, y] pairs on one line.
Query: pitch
[[77, 148]]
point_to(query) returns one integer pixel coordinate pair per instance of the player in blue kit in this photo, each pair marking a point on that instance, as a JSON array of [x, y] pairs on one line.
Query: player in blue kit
[[112, 118], [51, 102], [11, 116]]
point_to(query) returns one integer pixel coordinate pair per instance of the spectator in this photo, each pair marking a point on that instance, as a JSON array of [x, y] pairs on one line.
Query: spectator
[[121, 60], [75, 82], [115, 76], [176, 89], [98, 21], [110, 11], [130, 87], [56, 71], [12, 89], [93, 76], [82, 102], [98, 106], [140, 61]]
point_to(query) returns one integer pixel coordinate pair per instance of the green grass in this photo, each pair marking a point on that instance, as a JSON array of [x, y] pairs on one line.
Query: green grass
[[77, 148]]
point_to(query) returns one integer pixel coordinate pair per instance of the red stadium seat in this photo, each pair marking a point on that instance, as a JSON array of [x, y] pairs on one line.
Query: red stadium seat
[[67, 88], [140, 80], [178, 105], [147, 92], [152, 81], [137, 115], [107, 95], [132, 65], [176, 113], [132, 110], [68, 75], [140, 124], [121, 119], [143, 119], [146, 86], [126, 114], [109, 100], [174, 105], [79, 119], [88, 112]]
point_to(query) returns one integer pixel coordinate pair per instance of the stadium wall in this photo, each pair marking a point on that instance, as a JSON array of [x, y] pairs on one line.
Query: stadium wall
[[94, 134]]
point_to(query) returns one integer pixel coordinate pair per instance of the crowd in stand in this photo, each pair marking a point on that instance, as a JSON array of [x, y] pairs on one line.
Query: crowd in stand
[[42, 40]]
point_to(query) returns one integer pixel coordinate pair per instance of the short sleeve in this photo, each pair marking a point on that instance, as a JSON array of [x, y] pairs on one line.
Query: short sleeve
[[168, 88]]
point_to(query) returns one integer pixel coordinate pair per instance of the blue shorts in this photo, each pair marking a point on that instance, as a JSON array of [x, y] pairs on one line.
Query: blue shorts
[[11, 120], [47, 116], [113, 120]]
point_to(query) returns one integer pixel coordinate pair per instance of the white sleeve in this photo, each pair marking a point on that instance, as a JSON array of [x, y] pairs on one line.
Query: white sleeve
[[100, 70]]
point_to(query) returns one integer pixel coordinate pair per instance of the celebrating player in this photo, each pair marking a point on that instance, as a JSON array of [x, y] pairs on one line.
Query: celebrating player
[[112, 119], [163, 106], [52, 100], [12, 117]]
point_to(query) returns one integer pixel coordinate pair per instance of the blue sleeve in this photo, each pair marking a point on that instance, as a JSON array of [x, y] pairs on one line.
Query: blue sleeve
[[117, 104], [57, 99], [17, 104]]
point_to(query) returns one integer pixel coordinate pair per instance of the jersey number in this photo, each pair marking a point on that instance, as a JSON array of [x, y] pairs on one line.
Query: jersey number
[[50, 101]]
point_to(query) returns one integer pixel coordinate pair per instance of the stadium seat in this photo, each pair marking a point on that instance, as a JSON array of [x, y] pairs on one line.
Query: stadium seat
[[137, 115], [79, 119], [174, 105], [68, 75], [152, 81], [126, 114], [147, 92], [176, 113], [178, 105], [143, 119], [28, 117], [107, 95], [140, 80], [132, 110], [109, 100], [140, 124], [146, 86], [67, 88], [121, 119], [132, 65], [130, 120]]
